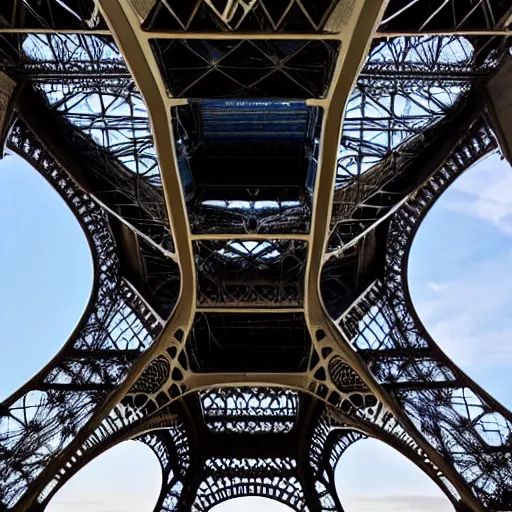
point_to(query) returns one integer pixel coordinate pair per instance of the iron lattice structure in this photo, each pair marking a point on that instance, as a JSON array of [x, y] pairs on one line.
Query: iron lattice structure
[[250, 175]]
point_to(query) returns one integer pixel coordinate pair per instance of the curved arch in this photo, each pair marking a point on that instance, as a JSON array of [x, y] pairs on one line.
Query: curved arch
[[111, 480], [333, 436], [393, 437], [93, 360], [249, 505], [42, 253], [18, 142], [164, 430], [273, 478], [424, 210], [458, 254], [147, 431], [463, 422], [452, 418], [372, 473], [242, 491], [266, 478]]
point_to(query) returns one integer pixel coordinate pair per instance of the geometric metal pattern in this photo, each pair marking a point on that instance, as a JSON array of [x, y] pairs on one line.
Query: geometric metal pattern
[[253, 273], [250, 410], [211, 69], [291, 15], [43, 416], [250, 176]]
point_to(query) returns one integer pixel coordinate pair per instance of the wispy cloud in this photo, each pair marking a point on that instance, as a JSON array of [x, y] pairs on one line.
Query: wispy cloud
[[485, 192], [470, 315]]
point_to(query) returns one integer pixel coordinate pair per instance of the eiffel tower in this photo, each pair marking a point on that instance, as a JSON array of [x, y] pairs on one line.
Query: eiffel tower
[[250, 175]]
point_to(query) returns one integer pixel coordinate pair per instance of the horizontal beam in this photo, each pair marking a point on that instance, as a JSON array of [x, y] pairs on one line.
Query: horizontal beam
[[250, 236], [212, 418], [102, 354], [245, 309], [441, 33], [396, 353], [196, 381], [260, 35]]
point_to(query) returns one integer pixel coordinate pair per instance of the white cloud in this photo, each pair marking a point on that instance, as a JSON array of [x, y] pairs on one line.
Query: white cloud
[[435, 287], [485, 192], [470, 316]]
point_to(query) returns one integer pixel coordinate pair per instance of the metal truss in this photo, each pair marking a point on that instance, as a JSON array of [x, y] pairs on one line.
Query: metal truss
[[454, 414], [45, 415], [250, 178], [252, 273]]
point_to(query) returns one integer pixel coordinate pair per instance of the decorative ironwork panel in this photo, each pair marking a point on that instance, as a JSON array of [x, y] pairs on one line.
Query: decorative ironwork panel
[[250, 272], [92, 106], [414, 96], [229, 478], [173, 451], [466, 426], [327, 446], [251, 215], [98, 96], [250, 410], [407, 84], [215, 68]]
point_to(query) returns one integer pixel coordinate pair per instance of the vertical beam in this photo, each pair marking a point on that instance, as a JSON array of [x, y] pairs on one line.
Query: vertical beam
[[134, 45], [500, 106], [356, 38]]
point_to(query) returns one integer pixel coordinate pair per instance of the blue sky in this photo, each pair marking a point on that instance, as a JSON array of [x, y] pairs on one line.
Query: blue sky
[[460, 283]]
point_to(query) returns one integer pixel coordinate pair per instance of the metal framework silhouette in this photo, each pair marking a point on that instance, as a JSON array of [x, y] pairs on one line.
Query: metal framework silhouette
[[250, 176]]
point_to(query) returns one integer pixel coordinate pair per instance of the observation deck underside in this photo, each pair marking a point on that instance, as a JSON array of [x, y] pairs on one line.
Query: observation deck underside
[[250, 175]]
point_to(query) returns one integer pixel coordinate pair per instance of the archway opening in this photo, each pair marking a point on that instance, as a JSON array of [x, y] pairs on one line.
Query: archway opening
[[127, 478], [459, 274], [373, 477], [251, 504], [47, 272]]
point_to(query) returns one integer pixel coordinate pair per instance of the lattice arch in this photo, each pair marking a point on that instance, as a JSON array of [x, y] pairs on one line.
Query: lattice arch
[[395, 483], [260, 500], [112, 482], [247, 256]]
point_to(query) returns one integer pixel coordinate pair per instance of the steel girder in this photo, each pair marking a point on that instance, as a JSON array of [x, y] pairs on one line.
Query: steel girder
[[365, 359]]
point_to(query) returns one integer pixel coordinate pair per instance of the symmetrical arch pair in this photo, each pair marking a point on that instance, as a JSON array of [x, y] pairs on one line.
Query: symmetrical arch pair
[[250, 178]]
